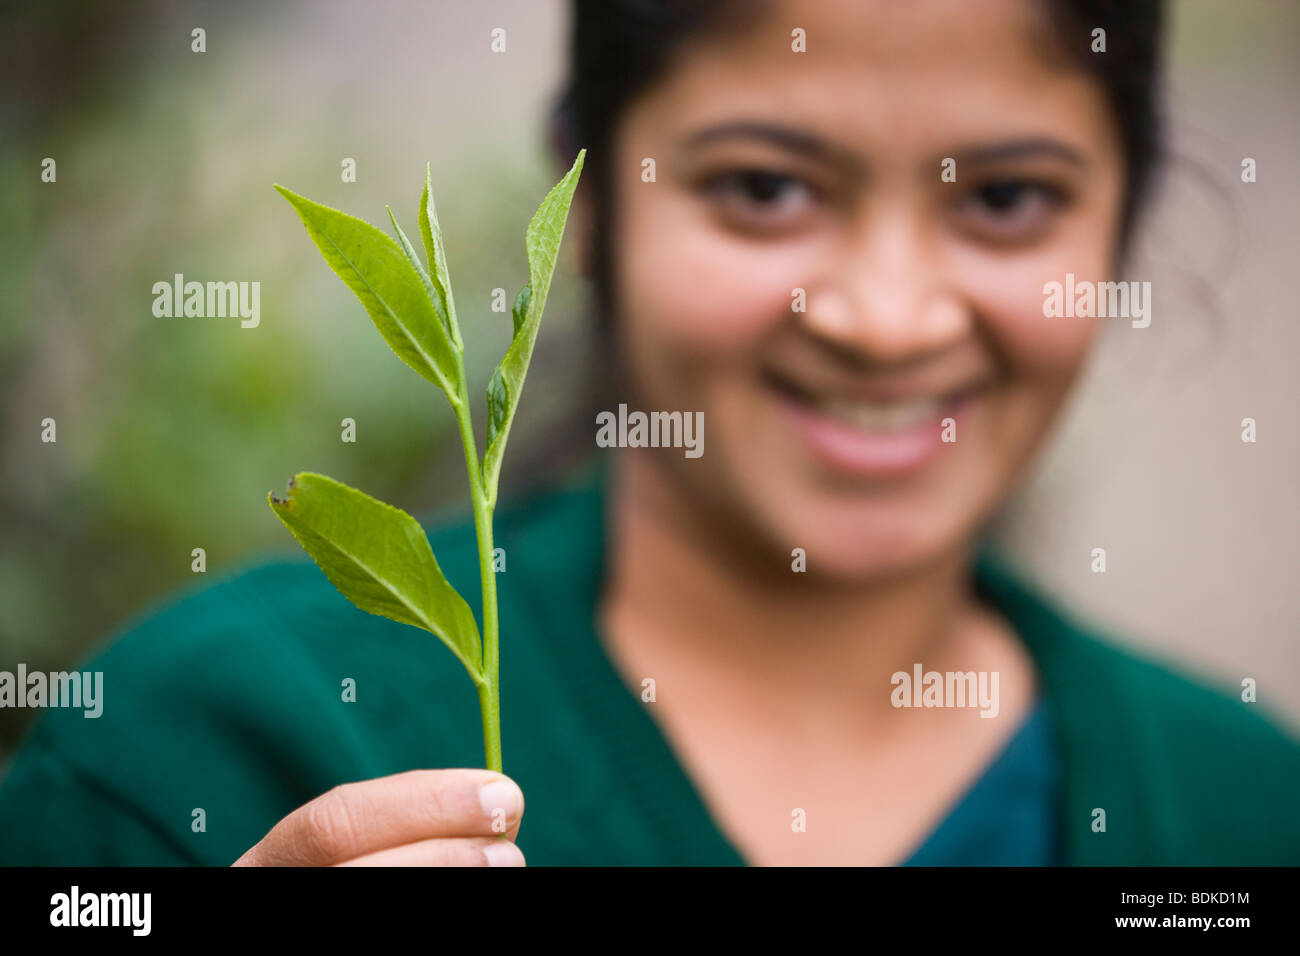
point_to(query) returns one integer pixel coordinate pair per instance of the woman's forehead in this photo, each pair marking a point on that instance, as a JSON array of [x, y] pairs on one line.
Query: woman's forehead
[[886, 31], [877, 73]]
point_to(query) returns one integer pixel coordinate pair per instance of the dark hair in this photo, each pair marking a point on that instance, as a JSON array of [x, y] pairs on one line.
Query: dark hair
[[620, 47]]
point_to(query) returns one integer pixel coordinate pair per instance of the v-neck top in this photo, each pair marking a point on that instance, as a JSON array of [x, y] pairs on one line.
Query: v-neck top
[[1009, 816]]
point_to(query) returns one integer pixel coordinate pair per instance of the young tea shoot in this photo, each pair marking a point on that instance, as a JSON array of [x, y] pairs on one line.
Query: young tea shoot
[[378, 556]]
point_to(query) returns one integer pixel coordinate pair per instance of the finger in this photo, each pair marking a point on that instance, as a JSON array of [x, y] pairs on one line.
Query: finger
[[492, 851], [355, 819]]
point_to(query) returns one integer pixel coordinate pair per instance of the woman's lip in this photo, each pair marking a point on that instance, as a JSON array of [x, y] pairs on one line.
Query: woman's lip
[[897, 390], [853, 450]]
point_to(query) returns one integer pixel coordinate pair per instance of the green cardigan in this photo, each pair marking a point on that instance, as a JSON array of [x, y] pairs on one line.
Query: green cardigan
[[229, 700]]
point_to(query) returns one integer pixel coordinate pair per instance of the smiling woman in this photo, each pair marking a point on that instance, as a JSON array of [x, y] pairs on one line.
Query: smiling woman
[[797, 647], [877, 428], [908, 176]]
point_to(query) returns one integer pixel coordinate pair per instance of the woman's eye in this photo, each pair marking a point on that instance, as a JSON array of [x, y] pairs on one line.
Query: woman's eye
[[1009, 209], [758, 198]]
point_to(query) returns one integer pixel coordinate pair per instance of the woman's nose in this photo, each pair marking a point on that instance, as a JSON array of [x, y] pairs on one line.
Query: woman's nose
[[885, 297]]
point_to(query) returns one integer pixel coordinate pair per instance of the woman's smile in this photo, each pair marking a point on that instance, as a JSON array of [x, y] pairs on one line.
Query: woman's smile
[[871, 431]]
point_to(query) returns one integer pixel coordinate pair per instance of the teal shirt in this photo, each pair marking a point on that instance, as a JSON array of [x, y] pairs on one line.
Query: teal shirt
[[1009, 817], [228, 699]]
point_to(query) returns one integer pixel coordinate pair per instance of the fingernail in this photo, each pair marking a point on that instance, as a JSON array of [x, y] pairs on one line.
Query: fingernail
[[500, 796], [503, 853]]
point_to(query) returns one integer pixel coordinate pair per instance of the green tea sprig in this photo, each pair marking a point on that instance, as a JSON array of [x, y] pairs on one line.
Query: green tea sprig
[[378, 556]]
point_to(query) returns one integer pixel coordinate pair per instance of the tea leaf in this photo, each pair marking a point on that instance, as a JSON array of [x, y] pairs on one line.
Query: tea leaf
[[542, 242], [409, 251], [519, 311], [431, 233], [379, 558], [377, 271]]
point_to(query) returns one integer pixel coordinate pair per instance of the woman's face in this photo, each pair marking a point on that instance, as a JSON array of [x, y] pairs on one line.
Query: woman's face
[[822, 171]]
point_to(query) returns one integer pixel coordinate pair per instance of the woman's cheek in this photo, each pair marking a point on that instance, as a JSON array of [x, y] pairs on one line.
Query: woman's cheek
[[706, 291], [1007, 297], [719, 303]]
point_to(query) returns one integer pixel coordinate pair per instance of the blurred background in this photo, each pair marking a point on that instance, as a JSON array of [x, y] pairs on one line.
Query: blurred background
[[171, 433]]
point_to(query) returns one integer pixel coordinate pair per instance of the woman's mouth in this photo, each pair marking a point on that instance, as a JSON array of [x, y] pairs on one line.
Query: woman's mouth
[[872, 438], [896, 416]]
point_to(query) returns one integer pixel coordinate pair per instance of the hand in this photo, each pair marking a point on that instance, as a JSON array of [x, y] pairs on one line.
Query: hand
[[418, 818]]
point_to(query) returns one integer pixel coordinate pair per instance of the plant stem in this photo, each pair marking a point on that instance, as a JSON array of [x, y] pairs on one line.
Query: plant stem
[[489, 691], [489, 696]]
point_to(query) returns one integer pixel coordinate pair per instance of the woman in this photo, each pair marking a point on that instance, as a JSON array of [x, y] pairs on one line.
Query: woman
[[827, 227]]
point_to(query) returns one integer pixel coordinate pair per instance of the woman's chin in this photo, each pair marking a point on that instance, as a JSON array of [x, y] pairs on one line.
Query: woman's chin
[[872, 565], [851, 532], [850, 549]]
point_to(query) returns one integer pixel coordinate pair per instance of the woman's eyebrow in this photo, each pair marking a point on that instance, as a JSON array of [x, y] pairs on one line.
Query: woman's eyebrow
[[1019, 149], [787, 137], [815, 147]]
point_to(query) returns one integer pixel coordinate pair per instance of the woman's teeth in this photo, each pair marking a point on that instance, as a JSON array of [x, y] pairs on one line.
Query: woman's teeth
[[882, 416]]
